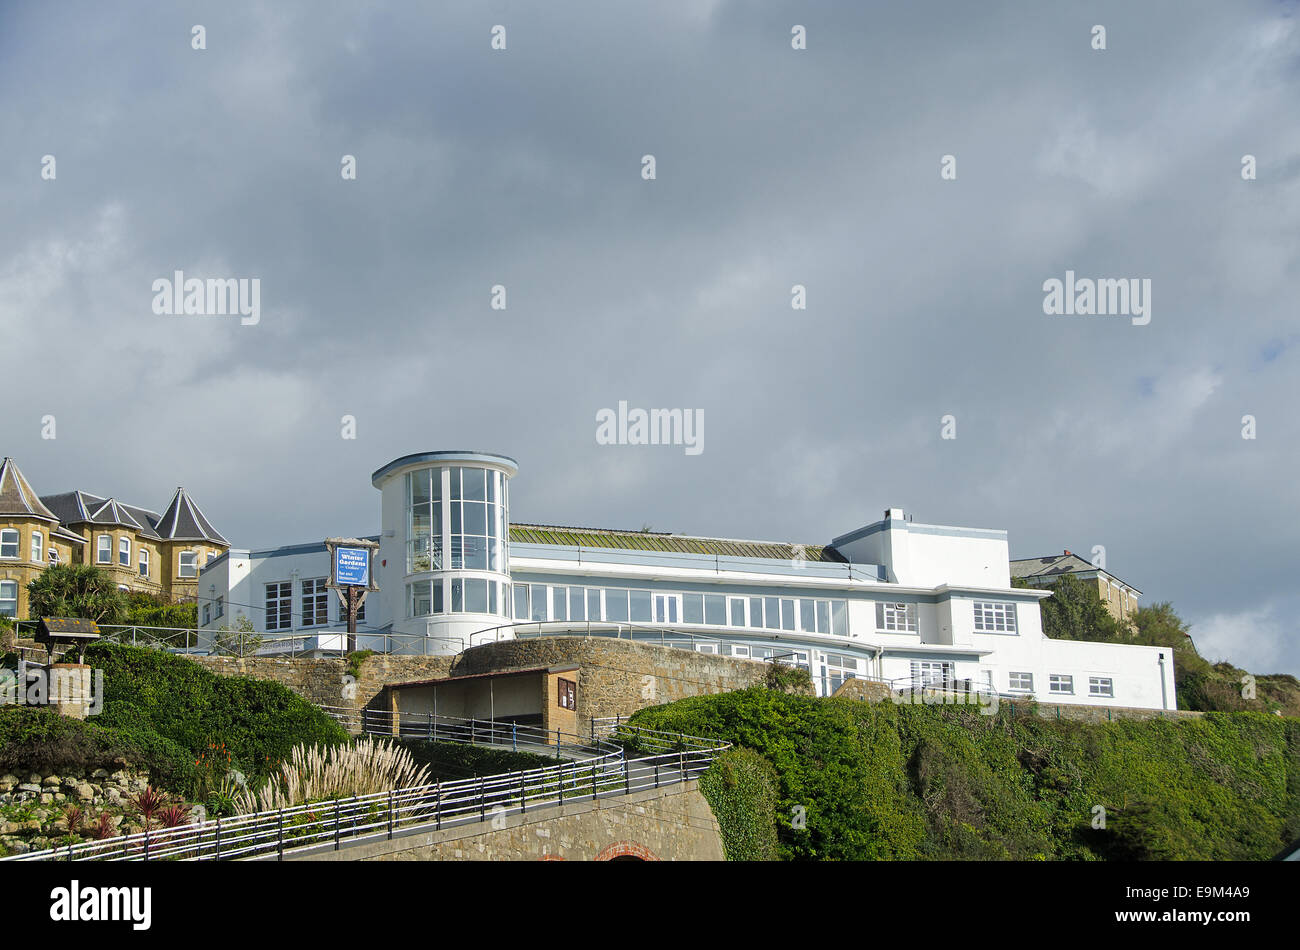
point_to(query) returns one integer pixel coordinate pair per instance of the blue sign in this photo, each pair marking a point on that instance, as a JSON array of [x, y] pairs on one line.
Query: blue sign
[[352, 566]]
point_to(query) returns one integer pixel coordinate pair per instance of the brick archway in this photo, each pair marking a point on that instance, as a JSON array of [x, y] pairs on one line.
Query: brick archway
[[626, 851]]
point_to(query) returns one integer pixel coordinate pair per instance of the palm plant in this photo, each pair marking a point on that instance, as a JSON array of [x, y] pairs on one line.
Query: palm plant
[[76, 590]]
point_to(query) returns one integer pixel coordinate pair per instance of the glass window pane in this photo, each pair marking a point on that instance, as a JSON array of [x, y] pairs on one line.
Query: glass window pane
[[475, 519], [787, 614], [537, 597], [840, 618], [693, 608], [824, 616], [715, 610], [457, 595], [771, 613], [807, 620], [577, 603], [737, 612], [455, 482], [420, 492], [559, 603], [593, 603], [616, 605], [472, 484], [476, 600], [640, 609], [756, 611]]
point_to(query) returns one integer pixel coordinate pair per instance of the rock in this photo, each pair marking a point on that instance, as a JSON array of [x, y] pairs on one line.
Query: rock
[[34, 778], [85, 792], [15, 845], [114, 795], [52, 780], [29, 787], [99, 774], [46, 798], [8, 828], [30, 825]]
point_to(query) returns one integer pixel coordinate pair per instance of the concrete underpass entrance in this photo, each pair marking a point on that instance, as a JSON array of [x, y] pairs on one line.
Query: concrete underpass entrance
[[542, 699]]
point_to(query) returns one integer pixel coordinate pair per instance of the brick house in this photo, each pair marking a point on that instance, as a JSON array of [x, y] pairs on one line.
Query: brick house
[[1121, 599], [141, 549]]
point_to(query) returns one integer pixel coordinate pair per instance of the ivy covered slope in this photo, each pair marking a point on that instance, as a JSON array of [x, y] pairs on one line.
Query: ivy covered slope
[[162, 712], [887, 781]]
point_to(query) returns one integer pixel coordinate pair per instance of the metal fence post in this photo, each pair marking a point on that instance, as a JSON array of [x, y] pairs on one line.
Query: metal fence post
[[627, 775], [336, 825], [523, 796], [218, 838], [437, 805], [482, 801], [279, 828], [514, 737], [593, 783], [390, 816]]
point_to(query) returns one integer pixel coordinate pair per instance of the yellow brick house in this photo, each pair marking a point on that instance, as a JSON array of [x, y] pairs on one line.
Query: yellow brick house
[[141, 549], [1121, 599]]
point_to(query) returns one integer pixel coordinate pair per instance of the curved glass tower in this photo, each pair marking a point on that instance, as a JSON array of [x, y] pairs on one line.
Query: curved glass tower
[[445, 545]]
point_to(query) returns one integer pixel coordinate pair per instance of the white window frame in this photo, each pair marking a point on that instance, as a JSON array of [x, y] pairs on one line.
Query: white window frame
[[38, 547], [1020, 687], [995, 616], [124, 552], [896, 617], [142, 567], [1103, 686], [5, 600], [103, 549], [194, 564], [312, 591], [9, 537], [273, 622], [1062, 683]]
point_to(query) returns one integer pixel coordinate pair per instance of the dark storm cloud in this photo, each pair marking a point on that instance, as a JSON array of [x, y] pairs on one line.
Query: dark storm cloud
[[775, 167]]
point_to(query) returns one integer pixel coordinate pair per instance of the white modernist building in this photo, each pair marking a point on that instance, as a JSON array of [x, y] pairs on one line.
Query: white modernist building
[[894, 600]]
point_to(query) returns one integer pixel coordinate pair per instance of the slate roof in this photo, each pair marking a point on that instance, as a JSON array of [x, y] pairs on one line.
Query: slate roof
[[17, 496], [79, 507], [182, 521], [664, 541], [1054, 565]]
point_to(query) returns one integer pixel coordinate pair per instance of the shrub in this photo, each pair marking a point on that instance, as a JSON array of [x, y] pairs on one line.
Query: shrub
[[320, 773], [740, 787], [36, 739], [899, 781], [257, 722]]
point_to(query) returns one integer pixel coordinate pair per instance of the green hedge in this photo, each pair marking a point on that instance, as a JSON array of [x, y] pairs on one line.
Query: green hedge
[[38, 739], [891, 781], [152, 691], [740, 787], [449, 761]]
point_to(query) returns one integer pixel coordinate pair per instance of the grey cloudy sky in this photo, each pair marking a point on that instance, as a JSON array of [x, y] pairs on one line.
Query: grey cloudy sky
[[775, 167]]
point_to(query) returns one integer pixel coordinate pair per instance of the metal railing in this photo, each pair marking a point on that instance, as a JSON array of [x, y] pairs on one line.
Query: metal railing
[[331, 825]]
